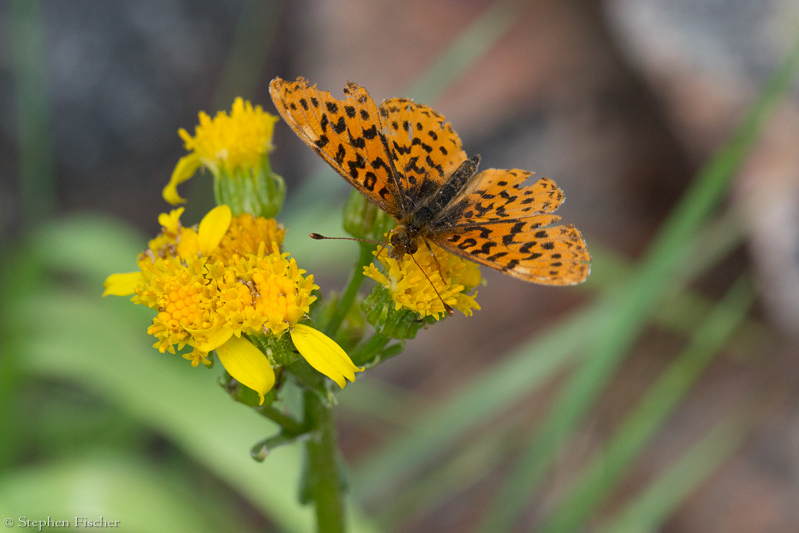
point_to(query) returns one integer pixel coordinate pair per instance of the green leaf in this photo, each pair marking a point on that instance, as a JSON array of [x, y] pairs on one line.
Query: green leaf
[[116, 488]]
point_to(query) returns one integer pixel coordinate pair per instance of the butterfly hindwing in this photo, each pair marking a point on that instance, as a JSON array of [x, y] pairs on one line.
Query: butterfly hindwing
[[553, 255], [498, 222], [346, 133]]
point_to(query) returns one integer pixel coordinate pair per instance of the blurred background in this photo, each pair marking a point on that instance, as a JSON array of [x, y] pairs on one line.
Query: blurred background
[[662, 395]]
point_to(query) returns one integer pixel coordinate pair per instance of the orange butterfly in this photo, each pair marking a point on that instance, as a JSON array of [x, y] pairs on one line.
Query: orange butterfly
[[406, 159]]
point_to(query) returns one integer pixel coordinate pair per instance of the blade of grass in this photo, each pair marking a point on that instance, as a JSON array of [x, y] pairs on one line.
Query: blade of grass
[[36, 174], [532, 364], [36, 168], [252, 42], [446, 482], [633, 307], [480, 399], [469, 467], [464, 52], [651, 412], [657, 502]]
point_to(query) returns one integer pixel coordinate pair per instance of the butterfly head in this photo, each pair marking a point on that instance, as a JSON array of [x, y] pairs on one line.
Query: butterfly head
[[403, 241]]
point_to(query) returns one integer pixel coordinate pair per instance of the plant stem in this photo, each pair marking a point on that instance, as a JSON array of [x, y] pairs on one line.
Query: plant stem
[[325, 487], [347, 299], [367, 351], [286, 422]]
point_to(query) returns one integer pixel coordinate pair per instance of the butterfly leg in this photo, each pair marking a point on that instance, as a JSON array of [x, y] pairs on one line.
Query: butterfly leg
[[430, 249]]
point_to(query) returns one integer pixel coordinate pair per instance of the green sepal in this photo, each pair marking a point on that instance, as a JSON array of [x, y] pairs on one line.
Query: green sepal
[[259, 192], [381, 313], [364, 220], [279, 350]]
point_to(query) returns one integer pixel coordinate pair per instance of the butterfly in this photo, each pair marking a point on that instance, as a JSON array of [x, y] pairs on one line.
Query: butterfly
[[408, 160]]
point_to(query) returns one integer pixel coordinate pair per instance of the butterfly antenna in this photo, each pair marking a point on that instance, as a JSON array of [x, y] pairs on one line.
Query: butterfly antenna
[[450, 310], [319, 237]]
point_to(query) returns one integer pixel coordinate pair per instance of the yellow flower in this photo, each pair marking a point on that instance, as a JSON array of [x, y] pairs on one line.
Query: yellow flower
[[445, 277], [184, 300], [247, 235], [234, 148], [227, 279], [266, 293]]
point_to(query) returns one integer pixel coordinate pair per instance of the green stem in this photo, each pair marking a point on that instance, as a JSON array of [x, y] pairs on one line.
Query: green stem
[[325, 487], [287, 423], [347, 299], [367, 351]]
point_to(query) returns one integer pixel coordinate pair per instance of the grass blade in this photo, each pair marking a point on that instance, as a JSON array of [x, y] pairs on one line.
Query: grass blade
[[470, 45], [655, 504], [36, 167], [599, 479], [634, 306], [532, 364]]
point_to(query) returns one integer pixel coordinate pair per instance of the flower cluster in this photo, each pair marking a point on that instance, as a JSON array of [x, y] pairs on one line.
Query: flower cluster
[[227, 280], [425, 281]]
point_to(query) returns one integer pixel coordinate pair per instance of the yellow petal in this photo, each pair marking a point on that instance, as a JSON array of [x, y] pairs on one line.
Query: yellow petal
[[122, 284], [247, 365], [213, 227], [169, 221], [184, 170], [209, 339], [324, 354], [189, 244]]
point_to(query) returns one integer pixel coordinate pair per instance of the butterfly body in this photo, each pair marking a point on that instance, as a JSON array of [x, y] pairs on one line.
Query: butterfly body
[[435, 212], [405, 158]]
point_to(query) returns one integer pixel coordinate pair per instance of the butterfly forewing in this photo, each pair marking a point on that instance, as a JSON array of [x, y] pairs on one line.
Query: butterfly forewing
[[424, 147], [346, 133]]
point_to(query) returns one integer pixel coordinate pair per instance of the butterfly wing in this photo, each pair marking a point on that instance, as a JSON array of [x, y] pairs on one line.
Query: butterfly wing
[[424, 147], [497, 222], [346, 133]]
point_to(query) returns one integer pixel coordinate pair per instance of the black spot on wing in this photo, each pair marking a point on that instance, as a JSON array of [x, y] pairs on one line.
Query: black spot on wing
[[340, 126], [370, 133]]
